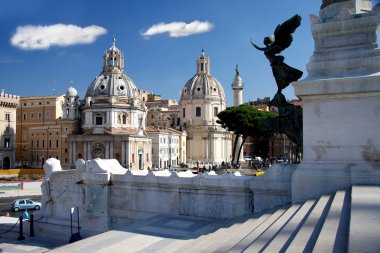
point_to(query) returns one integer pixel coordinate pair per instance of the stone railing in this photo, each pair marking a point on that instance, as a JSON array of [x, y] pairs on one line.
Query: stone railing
[[107, 195]]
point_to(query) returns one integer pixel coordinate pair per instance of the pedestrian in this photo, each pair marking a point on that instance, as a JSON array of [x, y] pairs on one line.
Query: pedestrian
[[25, 215]]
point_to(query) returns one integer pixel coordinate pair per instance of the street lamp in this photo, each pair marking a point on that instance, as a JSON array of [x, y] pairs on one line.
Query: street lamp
[[47, 144]]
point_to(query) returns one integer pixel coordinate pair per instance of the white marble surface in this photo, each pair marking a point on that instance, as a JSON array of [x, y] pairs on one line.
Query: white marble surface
[[341, 103]]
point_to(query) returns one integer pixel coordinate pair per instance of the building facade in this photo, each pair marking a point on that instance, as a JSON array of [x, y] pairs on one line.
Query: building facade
[[166, 151], [43, 125], [8, 105], [201, 100]]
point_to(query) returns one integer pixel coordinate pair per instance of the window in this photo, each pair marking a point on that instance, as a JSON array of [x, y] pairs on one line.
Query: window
[[183, 112], [98, 121], [24, 116], [56, 143], [7, 142], [40, 115], [197, 112], [49, 143], [124, 119], [47, 115], [216, 111], [7, 116], [32, 115]]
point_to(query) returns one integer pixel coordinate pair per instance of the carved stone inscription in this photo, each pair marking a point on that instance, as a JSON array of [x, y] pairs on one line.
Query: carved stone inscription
[[95, 199]]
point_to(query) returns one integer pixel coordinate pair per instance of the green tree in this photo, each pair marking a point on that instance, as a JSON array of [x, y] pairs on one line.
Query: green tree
[[243, 120]]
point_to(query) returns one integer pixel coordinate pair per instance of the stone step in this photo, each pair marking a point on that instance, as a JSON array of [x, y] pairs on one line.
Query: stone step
[[235, 236], [174, 245], [287, 233], [200, 243], [267, 236], [254, 234], [327, 238], [310, 229], [365, 224]]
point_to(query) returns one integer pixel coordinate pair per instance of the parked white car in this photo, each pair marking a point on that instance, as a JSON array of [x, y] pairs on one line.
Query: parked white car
[[22, 204]]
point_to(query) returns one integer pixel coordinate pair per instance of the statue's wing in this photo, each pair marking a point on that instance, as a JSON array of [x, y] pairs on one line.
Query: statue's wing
[[283, 33]]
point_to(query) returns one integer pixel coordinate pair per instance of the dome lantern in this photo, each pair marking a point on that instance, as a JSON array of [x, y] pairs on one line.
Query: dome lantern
[[203, 64], [113, 59]]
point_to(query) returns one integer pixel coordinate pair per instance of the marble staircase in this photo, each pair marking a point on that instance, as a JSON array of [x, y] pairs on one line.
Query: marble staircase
[[347, 221]]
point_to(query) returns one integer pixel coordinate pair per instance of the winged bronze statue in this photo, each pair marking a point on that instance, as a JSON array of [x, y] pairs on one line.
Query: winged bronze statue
[[275, 44]]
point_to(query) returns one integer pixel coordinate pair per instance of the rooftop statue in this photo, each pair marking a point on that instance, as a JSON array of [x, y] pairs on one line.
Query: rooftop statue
[[275, 44]]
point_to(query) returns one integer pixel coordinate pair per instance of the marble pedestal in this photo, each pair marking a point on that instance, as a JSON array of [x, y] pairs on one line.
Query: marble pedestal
[[341, 103]]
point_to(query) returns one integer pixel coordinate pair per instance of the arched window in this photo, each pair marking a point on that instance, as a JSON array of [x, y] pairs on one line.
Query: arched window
[[216, 111], [197, 112], [124, 119]]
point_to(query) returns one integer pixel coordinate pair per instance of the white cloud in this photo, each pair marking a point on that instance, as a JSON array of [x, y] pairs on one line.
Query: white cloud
[[179, 29], [42, 37]]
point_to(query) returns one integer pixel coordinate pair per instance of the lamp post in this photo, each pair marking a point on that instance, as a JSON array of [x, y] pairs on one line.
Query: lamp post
[[47, 144]]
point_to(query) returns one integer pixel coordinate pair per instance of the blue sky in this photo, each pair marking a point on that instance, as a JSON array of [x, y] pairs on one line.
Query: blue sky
[[47, 44]]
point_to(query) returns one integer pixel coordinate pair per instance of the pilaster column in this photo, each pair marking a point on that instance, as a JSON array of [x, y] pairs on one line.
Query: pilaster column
[[71, 152], [85, 150], [107, 154], [74, 151], [122, 151]]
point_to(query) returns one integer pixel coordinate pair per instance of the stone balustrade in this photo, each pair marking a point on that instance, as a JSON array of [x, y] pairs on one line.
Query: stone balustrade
[[109, 195]]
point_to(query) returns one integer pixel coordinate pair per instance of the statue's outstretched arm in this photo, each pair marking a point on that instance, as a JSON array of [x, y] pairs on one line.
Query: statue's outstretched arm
[[257, 47]]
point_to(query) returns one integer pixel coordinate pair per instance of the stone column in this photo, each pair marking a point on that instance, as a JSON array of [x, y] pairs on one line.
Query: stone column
[[85, 150], [123, 152], [71, 160], [74, 151], [107, 154]]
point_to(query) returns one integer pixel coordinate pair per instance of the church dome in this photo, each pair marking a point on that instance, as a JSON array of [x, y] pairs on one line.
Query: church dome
[[112, 81], [203, 85], [113, 85], [71, 92]]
